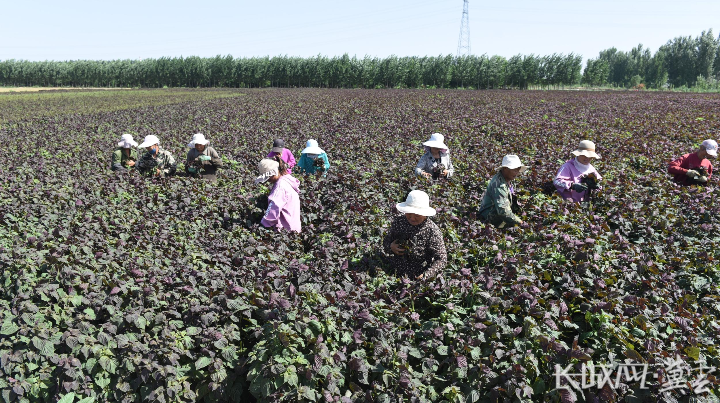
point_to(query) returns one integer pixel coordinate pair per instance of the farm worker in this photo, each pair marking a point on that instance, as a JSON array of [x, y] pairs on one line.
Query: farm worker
[[124, 156], [575, 177], [415, 241], [497, 202], [202, 160], [435, 163], [695, 168], [309, 157], [283, 202], [155, 161], [278, 148]]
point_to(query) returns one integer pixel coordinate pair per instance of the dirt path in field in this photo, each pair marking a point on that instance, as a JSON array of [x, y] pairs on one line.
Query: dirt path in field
[[37, 89]]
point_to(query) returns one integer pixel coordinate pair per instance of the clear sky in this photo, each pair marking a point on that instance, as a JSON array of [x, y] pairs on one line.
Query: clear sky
[[133, 29]]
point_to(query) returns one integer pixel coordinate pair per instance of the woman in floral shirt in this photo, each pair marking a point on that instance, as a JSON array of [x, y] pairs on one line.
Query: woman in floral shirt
[[414, 241], [435, 163]]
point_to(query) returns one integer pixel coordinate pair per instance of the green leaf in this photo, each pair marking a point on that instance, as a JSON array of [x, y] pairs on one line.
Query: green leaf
[[88, 399], [203, 362], [90, 313], [316, 327], [76, 300], [291, 378], [308, 393], [442, 350], [693, 352], [141, 322], [193, 331], [229, 353], [102, 381], [69, 398], [9, 327]]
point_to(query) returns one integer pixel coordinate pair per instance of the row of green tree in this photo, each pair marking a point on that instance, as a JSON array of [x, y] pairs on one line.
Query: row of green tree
[[683, 61], [344, 72]]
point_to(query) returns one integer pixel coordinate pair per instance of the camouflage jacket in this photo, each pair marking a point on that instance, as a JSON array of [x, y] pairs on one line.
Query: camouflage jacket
[[496, 205], [119, 159], [163, 160]]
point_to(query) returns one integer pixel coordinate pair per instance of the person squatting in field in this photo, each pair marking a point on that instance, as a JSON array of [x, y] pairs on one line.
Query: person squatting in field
[[498, 201], [415, 241], [313, 159], [155, 161], [202, 160], [694, 168], [124, 156], [283, 202], [435, 163], [577, 177], [278, 148]]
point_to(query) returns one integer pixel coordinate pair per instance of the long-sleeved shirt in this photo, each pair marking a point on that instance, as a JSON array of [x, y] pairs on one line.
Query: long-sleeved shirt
[[568, 175], [427, 163], [162, 160], [283, 205], [307, 164], [209, 168], [496, 205], [120, 160], [427, 254], [286, 156], [679, 167]]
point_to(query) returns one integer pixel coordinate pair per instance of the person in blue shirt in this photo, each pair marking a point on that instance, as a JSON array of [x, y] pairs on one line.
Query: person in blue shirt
[[313, 159]]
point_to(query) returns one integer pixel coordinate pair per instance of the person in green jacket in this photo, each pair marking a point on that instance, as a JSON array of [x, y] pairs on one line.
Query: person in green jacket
[[313, 159], [497, 202], [124, 156]]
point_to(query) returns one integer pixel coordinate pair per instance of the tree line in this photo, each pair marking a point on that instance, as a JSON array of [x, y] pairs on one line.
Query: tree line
[[283, 71], [681, 62]]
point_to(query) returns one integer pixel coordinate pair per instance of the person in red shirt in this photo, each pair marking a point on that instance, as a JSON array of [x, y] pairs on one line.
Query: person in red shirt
[[695, 168]]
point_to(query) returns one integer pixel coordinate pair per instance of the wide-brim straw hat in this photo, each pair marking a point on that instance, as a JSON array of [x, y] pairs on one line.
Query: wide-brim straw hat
[[512, 161], [126, 141], [586, 148], [417, 202], [267, 169], [311, 147], [198, 138], [437, 140], [150, 140]]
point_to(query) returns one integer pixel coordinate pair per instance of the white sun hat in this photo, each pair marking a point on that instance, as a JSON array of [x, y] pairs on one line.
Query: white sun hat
[[417, 202], [586, 148], [437, 140], [311, 147], [512, 161], [267, 168], [198, 138], [126, 141], [711, 147], [150, 140]]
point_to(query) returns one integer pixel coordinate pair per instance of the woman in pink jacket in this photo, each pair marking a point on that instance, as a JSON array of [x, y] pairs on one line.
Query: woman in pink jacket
[[283, 202], [569, 179]]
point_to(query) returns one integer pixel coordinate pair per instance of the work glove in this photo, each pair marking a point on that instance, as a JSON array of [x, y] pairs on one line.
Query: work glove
[[579, 187], [702, 179], [692, 174]]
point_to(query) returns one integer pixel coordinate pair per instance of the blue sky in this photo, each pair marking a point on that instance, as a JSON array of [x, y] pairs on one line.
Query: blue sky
[[130, 29]]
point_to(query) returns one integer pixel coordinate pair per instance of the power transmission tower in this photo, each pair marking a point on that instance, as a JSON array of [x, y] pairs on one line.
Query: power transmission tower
[[464, 40]]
